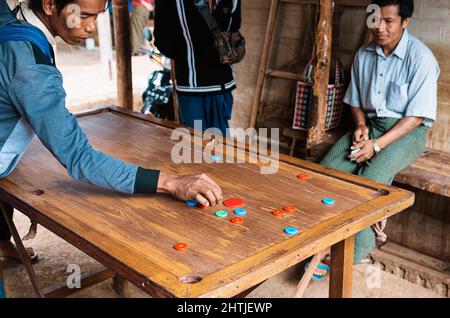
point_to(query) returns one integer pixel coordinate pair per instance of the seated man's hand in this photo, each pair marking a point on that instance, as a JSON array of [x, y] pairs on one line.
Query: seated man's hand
[[199, 187], [365, 153], [361, 134]]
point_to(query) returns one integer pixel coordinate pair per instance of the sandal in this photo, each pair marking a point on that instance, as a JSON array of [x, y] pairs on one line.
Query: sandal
[[9, 251], [321, 266]]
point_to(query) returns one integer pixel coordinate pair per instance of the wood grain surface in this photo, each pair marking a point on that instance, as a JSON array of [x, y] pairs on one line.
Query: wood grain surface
[[135, 235]]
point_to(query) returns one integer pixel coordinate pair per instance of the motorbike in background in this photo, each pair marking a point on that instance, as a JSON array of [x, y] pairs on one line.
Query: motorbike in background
[[158, 96]]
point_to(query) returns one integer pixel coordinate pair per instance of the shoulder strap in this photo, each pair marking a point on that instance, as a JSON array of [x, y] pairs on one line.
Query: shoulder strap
[[27, 33], [202, 7]]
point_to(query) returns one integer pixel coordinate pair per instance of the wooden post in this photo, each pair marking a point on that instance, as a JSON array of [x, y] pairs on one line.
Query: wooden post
[[324, 39], [264, 60], [341, 273], [122, 33], [105, 41], [174, 94]]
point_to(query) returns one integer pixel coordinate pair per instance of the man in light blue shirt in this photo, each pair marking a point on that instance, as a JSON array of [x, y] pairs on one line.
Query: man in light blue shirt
[[393, 99], [32, 102]]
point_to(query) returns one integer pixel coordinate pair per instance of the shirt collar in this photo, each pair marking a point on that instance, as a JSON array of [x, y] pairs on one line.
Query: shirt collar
[[31, 18], [400, 50]]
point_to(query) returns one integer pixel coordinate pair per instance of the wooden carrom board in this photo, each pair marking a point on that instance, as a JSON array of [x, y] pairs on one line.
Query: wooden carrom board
[[134, 235]]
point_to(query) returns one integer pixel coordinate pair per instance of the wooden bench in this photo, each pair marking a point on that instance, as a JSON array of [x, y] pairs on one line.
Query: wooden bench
[[431, 173]]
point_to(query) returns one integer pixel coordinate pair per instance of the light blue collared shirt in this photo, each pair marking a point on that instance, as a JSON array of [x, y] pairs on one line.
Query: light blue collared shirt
[[399, 85]]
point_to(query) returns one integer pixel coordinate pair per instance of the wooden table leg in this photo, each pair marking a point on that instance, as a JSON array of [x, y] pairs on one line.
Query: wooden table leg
[[307, 276], [22, 253], [87, 280], [342, 268], [120, 284]]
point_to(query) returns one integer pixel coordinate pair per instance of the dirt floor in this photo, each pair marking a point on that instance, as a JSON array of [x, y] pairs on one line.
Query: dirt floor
[[87, 87], [88, 84]]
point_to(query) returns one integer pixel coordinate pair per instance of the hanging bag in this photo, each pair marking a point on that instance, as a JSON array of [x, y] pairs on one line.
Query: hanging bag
[[229, 45], [335, 96]]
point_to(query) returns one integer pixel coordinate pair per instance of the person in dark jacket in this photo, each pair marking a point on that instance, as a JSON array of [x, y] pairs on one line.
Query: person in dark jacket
[[204, 85]]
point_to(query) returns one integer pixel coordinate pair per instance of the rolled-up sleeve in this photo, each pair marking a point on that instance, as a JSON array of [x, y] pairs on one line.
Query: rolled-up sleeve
[[353, 96], [422, 90]]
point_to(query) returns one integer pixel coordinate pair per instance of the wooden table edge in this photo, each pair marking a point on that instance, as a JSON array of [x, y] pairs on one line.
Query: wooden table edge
[[241, 283]]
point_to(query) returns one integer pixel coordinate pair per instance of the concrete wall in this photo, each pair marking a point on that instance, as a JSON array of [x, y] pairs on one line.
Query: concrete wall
[[293, 44]]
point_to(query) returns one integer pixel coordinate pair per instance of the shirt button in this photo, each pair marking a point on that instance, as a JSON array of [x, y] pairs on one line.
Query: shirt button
[[381, 74], [379, 92]]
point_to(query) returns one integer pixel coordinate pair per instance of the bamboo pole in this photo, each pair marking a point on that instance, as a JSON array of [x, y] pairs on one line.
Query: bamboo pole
[[123, 53], [264, 60], [324, 40]]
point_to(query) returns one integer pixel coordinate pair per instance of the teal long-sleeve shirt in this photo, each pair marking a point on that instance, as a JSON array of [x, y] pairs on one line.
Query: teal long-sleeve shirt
[[32, 101]]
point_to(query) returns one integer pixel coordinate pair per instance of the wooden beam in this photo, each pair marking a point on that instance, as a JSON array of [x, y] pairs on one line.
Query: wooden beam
[[174, 94], [122, 33], [324, 40], [286, 75], [264, 60], [341, 273], [87, 280], [307, 276]]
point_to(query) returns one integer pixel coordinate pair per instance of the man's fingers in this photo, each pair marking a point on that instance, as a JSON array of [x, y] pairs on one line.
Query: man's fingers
[[202, 200], [357, 145], [215, 188], [211, 198], [362, 159], [218, 194]]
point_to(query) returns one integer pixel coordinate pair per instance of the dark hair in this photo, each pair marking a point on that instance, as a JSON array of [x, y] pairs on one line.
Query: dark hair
[[36, 5], [406, 7]]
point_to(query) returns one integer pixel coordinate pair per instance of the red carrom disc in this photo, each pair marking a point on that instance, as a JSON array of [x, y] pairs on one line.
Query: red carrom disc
[[277, 212], [236, 220], [302, 176], [289, 208], [234, 203], [180, 246]]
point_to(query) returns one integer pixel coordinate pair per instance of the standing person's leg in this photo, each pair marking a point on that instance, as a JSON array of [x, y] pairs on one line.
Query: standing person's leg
[[214, 110], [192, 108], [220, 111], [7, 248], [139, 17], [383, 168]]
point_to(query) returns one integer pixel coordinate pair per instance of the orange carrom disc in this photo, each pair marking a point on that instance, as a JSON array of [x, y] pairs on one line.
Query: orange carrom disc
[[277, 212], [236, 220], [180, 246], [302, 176], [289, 208], [234, 203]]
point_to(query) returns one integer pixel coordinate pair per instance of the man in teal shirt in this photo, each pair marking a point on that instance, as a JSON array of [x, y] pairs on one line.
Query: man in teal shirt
[[393, 99], [32, 101]]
